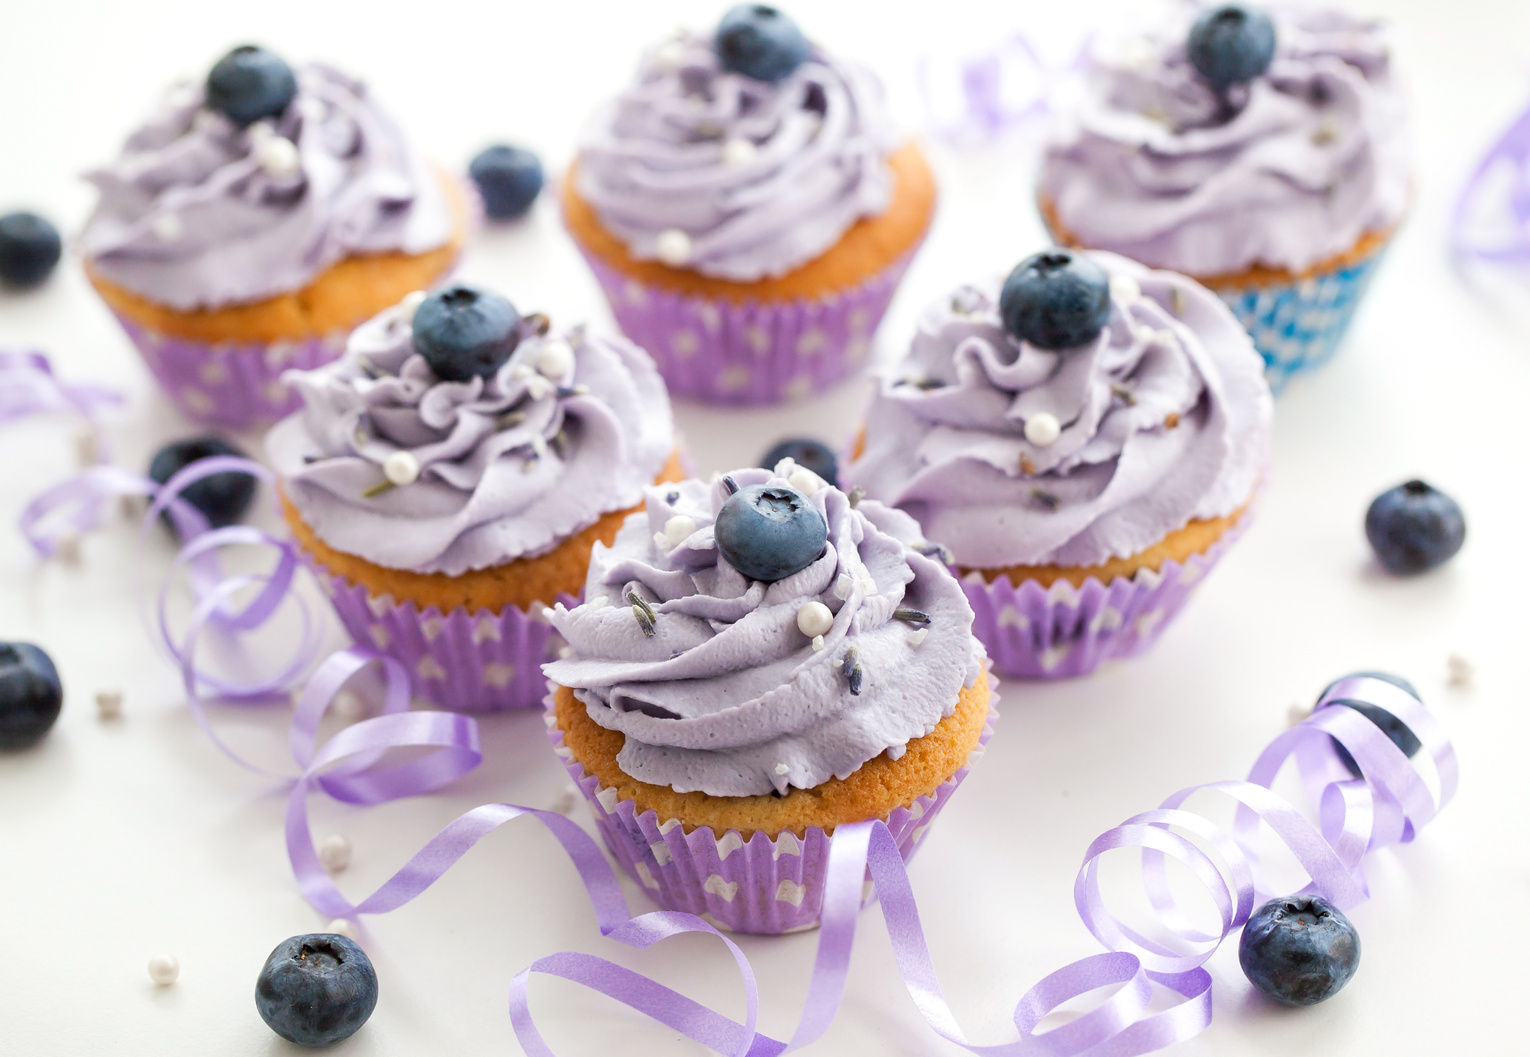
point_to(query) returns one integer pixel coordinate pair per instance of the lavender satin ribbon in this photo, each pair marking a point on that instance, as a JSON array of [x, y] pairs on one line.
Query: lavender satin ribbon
[[987, 109], [28, 386], [1508, 158]]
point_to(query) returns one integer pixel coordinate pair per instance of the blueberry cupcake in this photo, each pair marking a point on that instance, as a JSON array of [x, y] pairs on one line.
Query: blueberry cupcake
[[748, 206], [758, 660], [1262, 152], [449, 475], [253, 221], [1085, 438]]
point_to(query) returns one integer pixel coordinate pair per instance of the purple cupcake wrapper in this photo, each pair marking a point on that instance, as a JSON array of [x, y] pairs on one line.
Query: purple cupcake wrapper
[[1057, 632], [754, 352], [464, 661], [758, 886]]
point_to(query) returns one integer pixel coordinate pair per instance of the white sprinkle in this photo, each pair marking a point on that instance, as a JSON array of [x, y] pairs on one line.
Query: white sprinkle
[[599, 602], [1042, 429], [817, 643], [412, 300], [565, 652], [335, 853], [520, 372], [567, 799], [844, 587], [555, 361], [167, 227], [868, 585], [785, 467], [109, 703], [678, 529], [781, 768], [86, 451], [163, 969], [668, 56], [1165, 338], [673, 247], [402, 468], [539, 388], [278, 156], [1296, 714], [814, 619], [1462, 670], [348, 706], [660, 541], [917, 637], [1124, 289], [342, 927], [739, 151], [805, 481], [67, 548]]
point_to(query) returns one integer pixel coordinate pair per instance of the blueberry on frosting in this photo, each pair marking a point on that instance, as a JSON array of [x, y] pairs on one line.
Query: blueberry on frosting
[[769, 532], [761, 42], [1056, 299], [1231, 44], [250, 83], [466, 332]]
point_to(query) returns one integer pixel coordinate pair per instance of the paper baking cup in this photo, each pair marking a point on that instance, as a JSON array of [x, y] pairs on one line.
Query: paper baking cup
[[466, 662], [759, 885], [752, 352]]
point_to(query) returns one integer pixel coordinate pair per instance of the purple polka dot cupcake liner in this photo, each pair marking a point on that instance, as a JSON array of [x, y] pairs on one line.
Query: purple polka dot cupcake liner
[[1061, 631], [482, 661], [758, 885], [751, 352]]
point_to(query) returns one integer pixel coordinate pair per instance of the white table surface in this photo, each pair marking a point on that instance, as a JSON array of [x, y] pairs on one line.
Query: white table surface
[[118, 840]]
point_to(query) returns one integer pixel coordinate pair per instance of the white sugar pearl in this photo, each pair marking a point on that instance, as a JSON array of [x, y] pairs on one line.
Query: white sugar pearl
[[109, 703], [278, 156], [1124, 289], [348, 705], [342, 927], [555, 360], [739, 152], [1043, 429], [167, 227], [1461, 670], [673, 247], [814, 618], [805, 481], [335, 853], [163, 969], [412, 300], [402, 468]]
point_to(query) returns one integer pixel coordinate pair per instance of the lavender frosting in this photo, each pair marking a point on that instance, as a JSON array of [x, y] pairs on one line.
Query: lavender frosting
[[1316, 157], [759, 178], [571, 428], [1164, 418], [727, 695], [199, 213]]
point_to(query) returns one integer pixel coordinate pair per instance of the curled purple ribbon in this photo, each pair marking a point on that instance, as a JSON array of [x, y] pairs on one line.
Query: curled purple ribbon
[[28, 387], [1496, 230]]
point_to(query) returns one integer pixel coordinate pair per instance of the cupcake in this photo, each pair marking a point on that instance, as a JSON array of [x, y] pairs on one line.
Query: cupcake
[[759, 660], [1264, 155], [448, 476], [253, 221], [1085, 440], [748, 208]]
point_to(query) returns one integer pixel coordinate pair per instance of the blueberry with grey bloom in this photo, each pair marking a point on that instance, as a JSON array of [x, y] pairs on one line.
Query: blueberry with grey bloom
[[768, 532], [1414, 527], [1231, 44], [761, 42], [316, 989], [250, 83], [1299, 950], [508, 180], [222, 498], [31, 695], [29, 250], [466, 332], [1056, 300]]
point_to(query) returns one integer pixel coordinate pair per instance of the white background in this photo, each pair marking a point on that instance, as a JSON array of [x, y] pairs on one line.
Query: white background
[[121, 839]]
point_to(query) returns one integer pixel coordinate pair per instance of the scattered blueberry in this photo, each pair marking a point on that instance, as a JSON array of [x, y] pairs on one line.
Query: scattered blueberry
[[1413, 528], [1393, 727], [222, 498], [805, 453], [768, 532], [29, 250], [30, 695], [1057, 299], [508, 180], [316, 989], [1231, 44], [466, 332], [761, 42], [1299, 950], [250, 83]]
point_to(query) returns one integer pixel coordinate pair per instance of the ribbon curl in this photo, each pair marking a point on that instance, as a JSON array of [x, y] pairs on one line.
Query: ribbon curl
[[1508, 158], [988, 104]]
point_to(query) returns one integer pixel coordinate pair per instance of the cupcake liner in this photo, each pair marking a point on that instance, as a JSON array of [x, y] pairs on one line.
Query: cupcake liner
[[758, 886], [754, 352], [463, 661], [234, 384], [1057, 632]]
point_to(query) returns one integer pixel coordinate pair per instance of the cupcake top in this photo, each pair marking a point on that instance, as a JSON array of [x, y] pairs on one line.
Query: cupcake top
[[739, 175], [407, 463], [204, 209], [1010, 453], [1285, 170], [738, 686]]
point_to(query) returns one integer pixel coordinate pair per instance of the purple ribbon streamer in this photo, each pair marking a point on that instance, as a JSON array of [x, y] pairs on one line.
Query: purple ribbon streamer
[[28, 386], [1510, 151], [984, 112]]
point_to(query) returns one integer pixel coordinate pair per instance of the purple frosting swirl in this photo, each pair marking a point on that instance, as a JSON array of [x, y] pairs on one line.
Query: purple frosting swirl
[[199, 213], [1163, 419], [1315, 158], [745, 180], [571, 427], [728, 695]]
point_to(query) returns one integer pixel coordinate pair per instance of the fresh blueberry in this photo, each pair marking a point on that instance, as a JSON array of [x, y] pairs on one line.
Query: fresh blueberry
[[508, 180], [222, 498], [1413, 528], [250, 83], [1231, 44], [1299, 950], [760, 42], [1057, 299], [29, 250], [316, 989], [466, 332], [30, 695], [1386, 677], [806, 453], [768, 532], [1394, 728]]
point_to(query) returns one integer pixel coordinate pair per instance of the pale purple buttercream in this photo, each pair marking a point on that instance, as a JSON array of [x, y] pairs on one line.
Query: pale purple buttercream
[[728, 696], [189, 218], [808, 158], [1316, 157], [1165, 418], [509, 465]]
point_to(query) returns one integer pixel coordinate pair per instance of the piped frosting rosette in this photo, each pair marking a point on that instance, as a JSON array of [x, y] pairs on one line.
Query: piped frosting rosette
[[1019, 458]]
